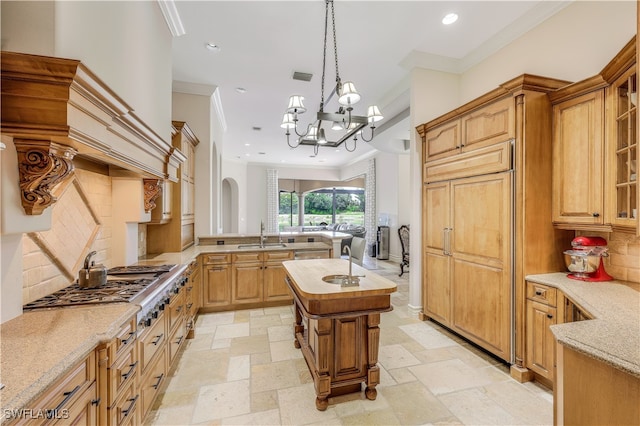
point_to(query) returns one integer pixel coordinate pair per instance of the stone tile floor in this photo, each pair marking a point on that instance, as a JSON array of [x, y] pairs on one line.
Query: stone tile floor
[[242, 369]]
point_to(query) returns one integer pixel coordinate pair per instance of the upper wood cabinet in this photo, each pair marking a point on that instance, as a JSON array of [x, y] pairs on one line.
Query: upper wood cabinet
[[595, 148], [173, 228], [480, 127], [578, 160]]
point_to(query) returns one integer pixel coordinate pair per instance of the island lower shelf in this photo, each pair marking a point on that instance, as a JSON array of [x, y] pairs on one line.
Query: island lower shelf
[[339, 339]]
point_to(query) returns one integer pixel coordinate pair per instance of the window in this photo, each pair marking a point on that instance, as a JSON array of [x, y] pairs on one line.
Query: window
[[323, 207]]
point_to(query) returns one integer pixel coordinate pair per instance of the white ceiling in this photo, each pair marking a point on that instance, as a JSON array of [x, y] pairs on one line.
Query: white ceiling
[[263, 42]]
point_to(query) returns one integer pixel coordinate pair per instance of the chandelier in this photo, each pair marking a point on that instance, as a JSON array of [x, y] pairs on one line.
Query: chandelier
[[342, 121]]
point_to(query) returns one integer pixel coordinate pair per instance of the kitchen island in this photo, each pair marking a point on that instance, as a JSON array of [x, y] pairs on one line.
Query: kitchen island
[[336, 326]]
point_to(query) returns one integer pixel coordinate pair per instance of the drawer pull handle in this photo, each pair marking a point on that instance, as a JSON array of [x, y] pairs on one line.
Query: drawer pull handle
[[158, 382], [179, 340], [158, 338], [132, 368], [67, 396], [539, 293], [189, 305], [133, 400], [96, 402], [129, 339]]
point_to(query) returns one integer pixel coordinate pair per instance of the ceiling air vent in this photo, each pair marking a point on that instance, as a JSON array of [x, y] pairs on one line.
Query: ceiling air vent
[[302, 76]]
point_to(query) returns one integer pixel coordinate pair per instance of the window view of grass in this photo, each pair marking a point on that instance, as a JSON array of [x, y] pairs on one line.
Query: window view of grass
[[320, 207]]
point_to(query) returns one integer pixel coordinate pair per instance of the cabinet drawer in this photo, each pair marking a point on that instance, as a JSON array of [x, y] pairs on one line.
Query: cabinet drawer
[[151, 341], [489, 124], [176, 310], [124, 340], [121, 373], [541, 293], [278, 255], [151, 384], [176, 340], [246, 257], [216, 259], [443, 140], [124, 410], [63, 394]]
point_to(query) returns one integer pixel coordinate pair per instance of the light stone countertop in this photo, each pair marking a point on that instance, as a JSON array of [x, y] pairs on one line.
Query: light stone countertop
[[613, 336], [186, 256], [39, 346]]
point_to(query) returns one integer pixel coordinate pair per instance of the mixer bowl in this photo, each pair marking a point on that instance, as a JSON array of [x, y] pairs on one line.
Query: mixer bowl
[[580, 262]]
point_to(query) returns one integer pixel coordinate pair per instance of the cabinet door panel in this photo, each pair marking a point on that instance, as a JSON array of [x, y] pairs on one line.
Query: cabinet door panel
[[443, 140], [578, 138], [436, 200], [437, 297], [481, 305], [275, 286], [481, 219], [540, 340], [247, 283], [488, 125], [216, 285]]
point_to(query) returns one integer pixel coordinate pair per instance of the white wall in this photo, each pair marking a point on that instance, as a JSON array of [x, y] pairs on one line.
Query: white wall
[[238, 172]]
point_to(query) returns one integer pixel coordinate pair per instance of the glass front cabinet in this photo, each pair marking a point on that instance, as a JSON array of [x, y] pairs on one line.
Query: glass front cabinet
[[622, 148]]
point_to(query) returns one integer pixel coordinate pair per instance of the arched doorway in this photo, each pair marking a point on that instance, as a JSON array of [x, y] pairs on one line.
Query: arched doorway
[[229, 206]]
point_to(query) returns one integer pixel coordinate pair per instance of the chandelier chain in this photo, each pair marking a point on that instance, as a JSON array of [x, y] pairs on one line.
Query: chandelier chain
[[324, 52], [335, 47]]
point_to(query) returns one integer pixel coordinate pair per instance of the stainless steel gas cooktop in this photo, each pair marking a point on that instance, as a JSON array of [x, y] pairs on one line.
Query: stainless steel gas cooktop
[[124, 284]]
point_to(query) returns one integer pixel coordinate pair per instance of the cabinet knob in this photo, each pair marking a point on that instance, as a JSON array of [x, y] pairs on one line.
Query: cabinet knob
[[549, 316], [596, 214]]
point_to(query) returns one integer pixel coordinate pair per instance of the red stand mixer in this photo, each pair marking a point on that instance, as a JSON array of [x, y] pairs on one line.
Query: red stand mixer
[[584, 260]]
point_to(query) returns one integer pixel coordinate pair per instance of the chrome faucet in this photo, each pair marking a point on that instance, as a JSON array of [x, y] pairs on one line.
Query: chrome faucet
[[263, 238], [351, 280]]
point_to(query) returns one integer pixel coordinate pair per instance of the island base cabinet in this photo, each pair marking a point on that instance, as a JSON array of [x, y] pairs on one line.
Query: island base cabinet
[[591, 392], [341, 353]]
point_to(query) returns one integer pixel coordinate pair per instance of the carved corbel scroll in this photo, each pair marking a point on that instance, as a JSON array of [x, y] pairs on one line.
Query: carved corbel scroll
[[152, 190], [43, 167]]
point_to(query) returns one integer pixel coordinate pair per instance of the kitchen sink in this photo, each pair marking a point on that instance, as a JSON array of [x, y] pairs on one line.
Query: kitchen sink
[[261, 246], [343, 280]]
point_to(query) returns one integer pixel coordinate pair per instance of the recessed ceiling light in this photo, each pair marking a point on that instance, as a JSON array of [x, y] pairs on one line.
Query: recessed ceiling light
[[261, 153], [241, 90], [449, 18], [247, 144], [247, 155], [212, 47]]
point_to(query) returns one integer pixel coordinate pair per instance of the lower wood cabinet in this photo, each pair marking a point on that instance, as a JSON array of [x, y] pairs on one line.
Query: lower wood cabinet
[[245, 279], [540, 343], [72, 399], [152, 382]]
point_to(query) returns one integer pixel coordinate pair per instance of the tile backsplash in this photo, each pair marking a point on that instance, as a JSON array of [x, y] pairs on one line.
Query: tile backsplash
[[623, 262]]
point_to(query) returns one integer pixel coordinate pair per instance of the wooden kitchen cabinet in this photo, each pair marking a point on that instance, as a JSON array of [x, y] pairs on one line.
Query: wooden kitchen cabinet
[[174, 231], [72, 399], [578, 159], [193, 297], [478, 245], [595, 149], [118, 371], [622, 153], [246, 278], [274, 279], [540, 346], [216, 280]]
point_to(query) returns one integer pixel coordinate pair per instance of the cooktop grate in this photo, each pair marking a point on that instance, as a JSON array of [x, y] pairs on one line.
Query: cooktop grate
[[137, 269]]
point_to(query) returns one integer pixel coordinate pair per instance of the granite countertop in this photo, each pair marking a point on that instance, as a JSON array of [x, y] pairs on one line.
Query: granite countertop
[[191, 253], [39, 346], [613, 336]]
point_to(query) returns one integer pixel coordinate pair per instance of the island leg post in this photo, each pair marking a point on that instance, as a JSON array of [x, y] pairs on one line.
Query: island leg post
[[298, 327], [373, 342]]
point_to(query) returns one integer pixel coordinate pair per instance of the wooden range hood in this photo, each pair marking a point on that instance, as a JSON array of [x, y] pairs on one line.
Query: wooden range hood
[[55, 109]]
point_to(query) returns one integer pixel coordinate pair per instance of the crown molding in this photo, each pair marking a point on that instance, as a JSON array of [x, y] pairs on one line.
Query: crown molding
[[172, 17]]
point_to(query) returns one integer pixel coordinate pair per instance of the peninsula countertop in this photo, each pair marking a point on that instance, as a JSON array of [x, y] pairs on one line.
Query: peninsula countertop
[[613, 336]]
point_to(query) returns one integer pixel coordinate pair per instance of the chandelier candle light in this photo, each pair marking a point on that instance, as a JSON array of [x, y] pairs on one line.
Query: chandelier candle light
[[342, 119]]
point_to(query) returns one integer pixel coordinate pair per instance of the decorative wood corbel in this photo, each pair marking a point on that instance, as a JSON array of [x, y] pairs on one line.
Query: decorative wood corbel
[[43, 167], [152, 190]]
